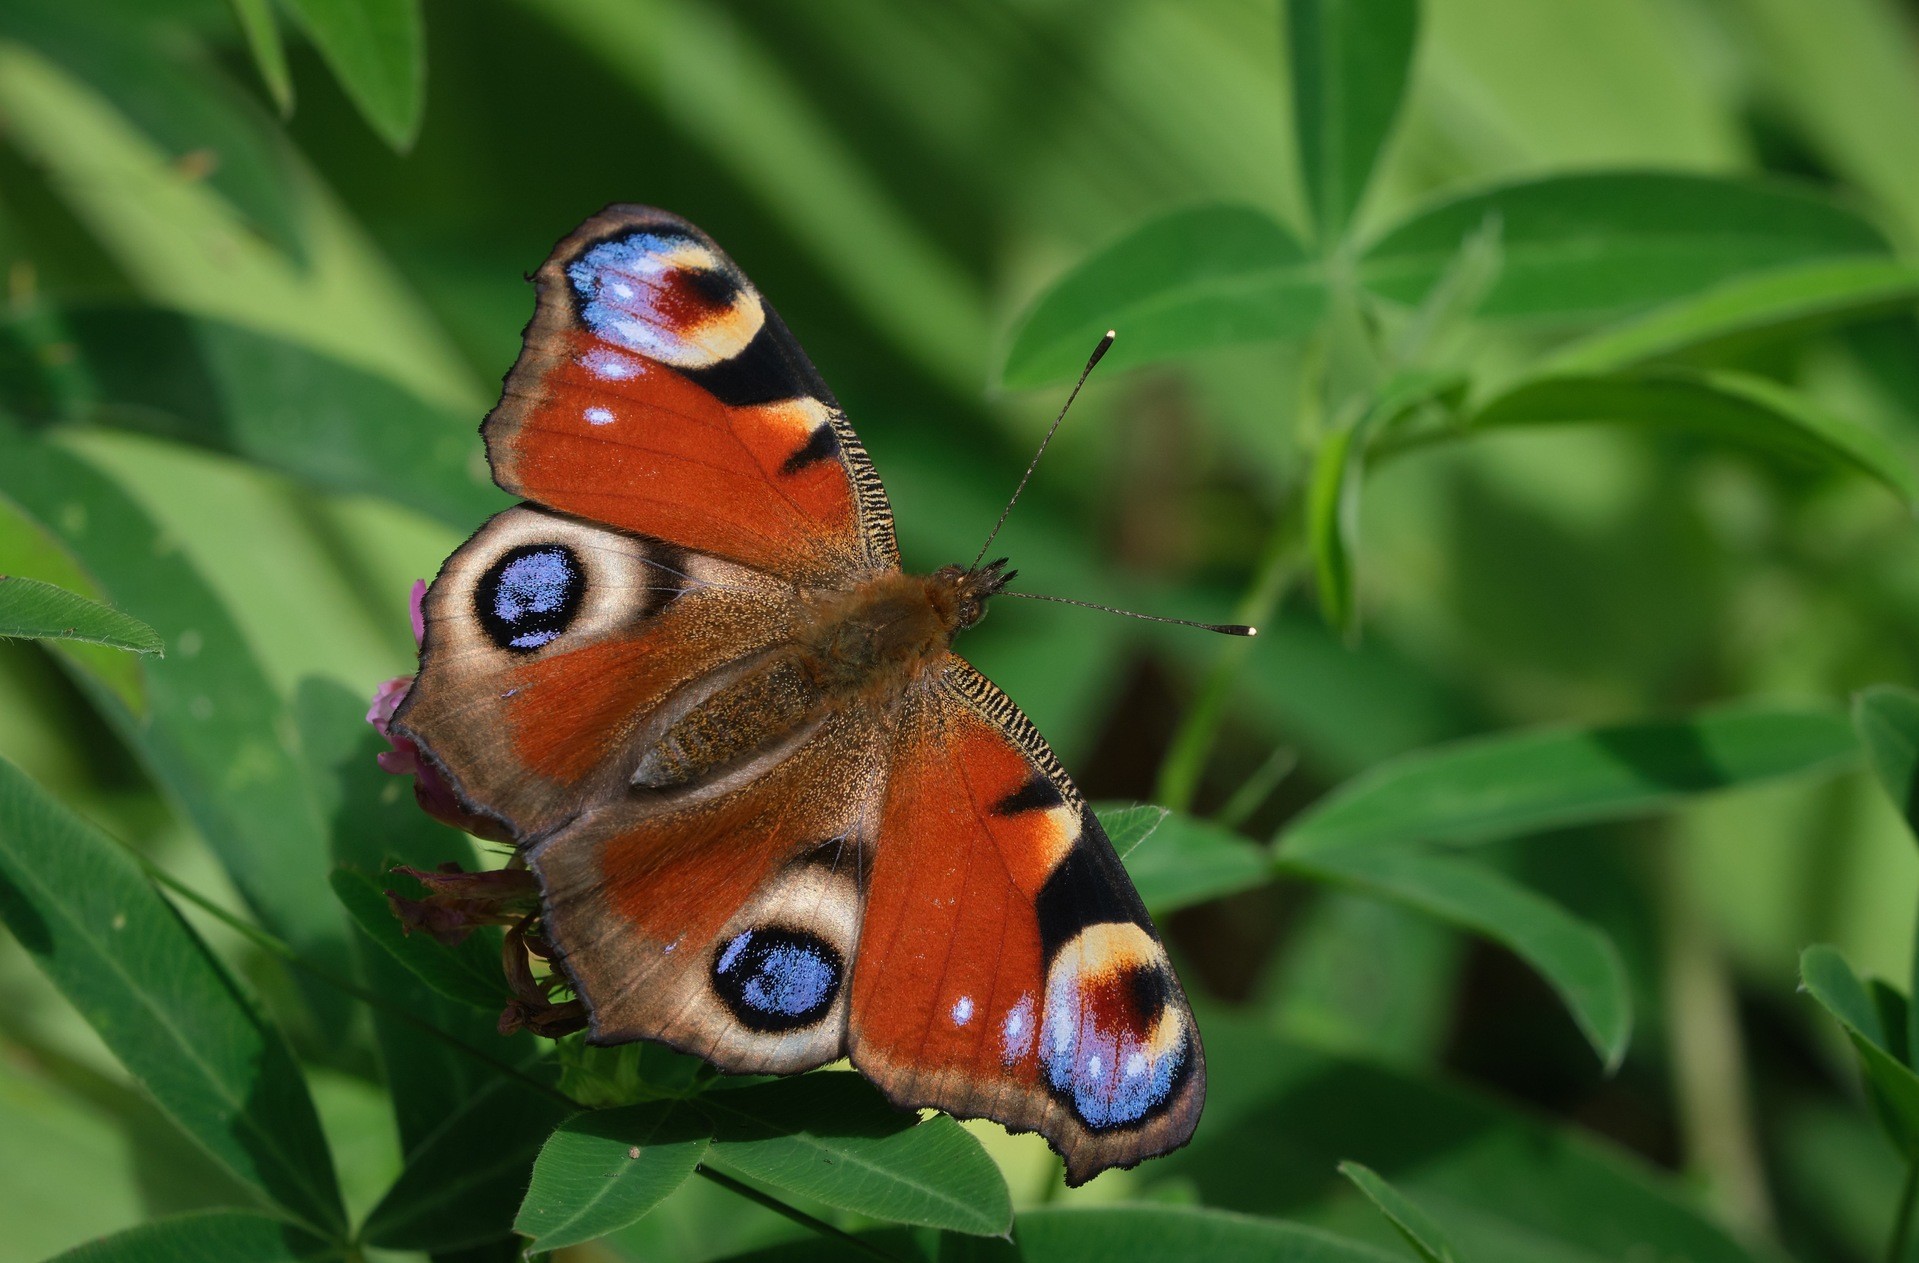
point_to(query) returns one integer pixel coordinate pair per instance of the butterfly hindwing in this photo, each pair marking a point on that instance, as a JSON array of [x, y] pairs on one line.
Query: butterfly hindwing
[[549, 640], [657, 391], [1006, 967]]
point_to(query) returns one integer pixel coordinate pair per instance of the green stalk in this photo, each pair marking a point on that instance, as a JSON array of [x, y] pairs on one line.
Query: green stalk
[[1902, 1225]]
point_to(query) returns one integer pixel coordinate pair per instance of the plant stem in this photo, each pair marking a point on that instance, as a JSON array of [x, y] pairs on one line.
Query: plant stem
[[1192, 744], [794, 1213], [1902, 1225]]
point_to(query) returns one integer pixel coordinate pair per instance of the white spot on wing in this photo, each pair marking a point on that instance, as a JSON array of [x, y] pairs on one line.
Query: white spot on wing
[[963, 1010], [599, 416]]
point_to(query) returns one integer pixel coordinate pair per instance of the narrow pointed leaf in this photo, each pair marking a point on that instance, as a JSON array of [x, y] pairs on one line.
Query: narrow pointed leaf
[[1208, 277], [1182, 860], [1826, 976], [262, 32], [604, 1170], [377, 49], [831, 1137], [1734, 408], [469, 973], [1412, 1223], [159, 1000], [1886, 718], [1536, 779], [1349, 60], [1749, 311], [32, 610], [1583, 247], [242, 1236], [461, 1185], [1578, 960]]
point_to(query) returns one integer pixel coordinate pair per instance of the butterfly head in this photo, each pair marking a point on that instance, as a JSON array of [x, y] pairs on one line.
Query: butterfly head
[[965, 591]]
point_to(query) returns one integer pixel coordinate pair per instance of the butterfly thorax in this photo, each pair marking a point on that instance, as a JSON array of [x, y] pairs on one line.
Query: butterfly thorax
[[863, 646]]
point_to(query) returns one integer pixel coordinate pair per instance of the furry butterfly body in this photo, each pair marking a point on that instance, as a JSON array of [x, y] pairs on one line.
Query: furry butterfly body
[[775, 818]]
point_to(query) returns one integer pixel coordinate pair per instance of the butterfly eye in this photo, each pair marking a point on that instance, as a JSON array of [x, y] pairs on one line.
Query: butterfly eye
[[530, 595], [777, 979]]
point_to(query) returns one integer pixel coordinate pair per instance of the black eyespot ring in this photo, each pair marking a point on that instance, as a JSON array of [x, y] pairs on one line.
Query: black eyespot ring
[[530, 595], [777, 979]]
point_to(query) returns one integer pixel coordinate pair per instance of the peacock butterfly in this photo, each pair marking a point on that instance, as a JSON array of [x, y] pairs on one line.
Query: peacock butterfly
[[774, 818]]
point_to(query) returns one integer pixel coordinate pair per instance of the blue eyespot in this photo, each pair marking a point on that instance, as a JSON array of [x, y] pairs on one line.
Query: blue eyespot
[[776, 979], [530, 595]]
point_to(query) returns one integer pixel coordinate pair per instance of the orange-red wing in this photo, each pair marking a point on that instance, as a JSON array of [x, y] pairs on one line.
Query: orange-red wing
[[550, 641], [658, 392], [1006, 968], [722, 923]]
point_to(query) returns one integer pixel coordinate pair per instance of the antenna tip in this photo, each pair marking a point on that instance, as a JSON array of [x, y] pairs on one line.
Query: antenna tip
[[1099, 352], [1236, 629]]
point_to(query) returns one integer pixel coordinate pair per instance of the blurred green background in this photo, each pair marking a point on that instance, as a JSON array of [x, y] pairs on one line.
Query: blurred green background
[[259, 294]]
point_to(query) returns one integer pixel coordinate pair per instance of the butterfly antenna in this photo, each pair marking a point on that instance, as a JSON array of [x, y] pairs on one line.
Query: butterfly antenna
[[1084, 373], [1224, 629]]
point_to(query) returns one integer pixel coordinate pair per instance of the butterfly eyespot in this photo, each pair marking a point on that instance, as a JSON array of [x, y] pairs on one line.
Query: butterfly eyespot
[[1113, 1047], [530, 595], [777, 979]]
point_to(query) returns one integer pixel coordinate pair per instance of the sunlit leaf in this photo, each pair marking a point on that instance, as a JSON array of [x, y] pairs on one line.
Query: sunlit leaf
[[601, 1171], [1208, 277], [832, 1138], [215, 735], [32, 610], [1577, 959], [377, 49], [1349, 61], [1412, 1223], [147, 985], [1579, 247], [1532, 780], [1734, 408], [242, 1236]]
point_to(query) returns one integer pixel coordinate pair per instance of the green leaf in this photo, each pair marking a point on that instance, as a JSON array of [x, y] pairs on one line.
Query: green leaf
[[154, 994], [182, 247], [269, 52], [1509, 1182], [178, 97], [315, 418], [1581, 247], [1333, 495], [1208, 277], [1350, 60], [1728, 407], [461, 1184], [1174, 1234], [33, 610], [1824, 974], [1179, 861], [215, 735], [377, 50], [1414, 1224], [1578, 960], [238, 1236], [601, 1171], [1748, 311], [1886, 717], [1537, 779], [469, 973], [833, 1138]]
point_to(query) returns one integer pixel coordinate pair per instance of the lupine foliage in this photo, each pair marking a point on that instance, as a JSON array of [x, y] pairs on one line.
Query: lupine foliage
[[1540, 378]]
